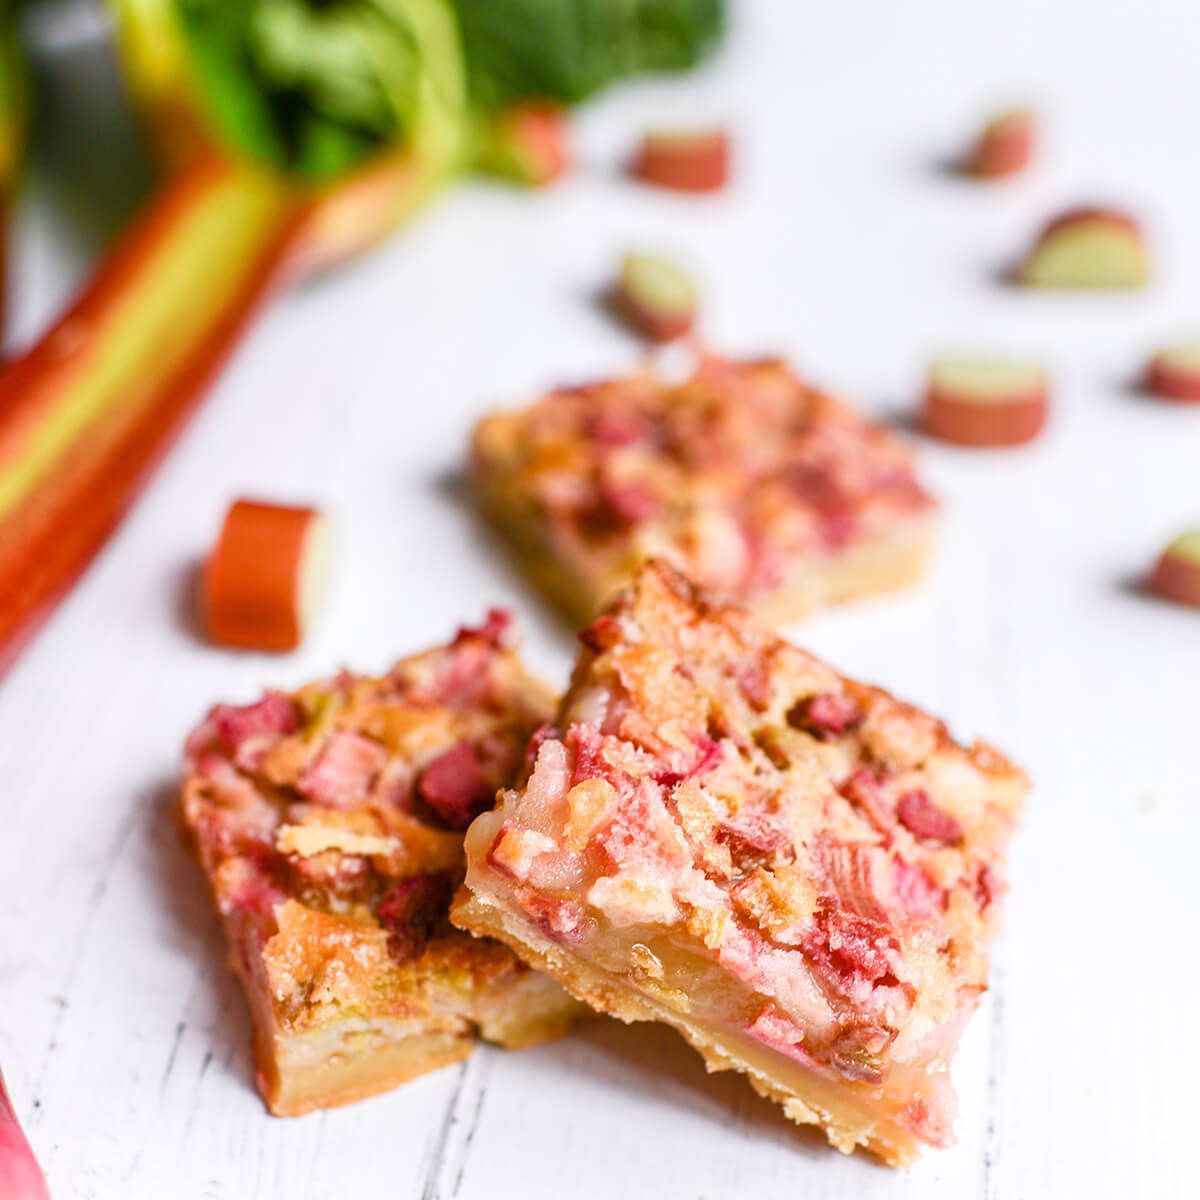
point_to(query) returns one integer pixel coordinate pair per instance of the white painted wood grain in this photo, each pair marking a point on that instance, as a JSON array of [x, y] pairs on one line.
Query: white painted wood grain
[[124, 1040]]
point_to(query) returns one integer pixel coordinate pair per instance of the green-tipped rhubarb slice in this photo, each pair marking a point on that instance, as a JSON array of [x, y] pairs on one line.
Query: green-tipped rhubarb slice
[[1175, 372], [656, 297], [985, 402], [1004, 146], [1177, 574], [1088, 248]]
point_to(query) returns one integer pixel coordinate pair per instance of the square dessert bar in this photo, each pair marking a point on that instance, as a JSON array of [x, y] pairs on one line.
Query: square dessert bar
[[796, 871], [330, 824], [760, 488]]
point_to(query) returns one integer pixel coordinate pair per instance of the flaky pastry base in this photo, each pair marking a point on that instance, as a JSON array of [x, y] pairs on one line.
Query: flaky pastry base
[[871, 565], [350, 1058], [806, 1097]]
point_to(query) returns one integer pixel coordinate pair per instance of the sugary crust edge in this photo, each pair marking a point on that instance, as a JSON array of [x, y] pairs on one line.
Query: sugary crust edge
[[873, 565], [479, 916], [868, 567], [576, 599], [334, 1078], [367, 1055]]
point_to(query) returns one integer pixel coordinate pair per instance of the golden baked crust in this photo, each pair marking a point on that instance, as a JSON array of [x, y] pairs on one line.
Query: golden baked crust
[[796, 870], [759, 488], [329, 823]]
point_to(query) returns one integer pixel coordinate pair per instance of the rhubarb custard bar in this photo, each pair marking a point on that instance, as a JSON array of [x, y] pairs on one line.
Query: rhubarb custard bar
[[330, 825], [796, 871], [758, 487]]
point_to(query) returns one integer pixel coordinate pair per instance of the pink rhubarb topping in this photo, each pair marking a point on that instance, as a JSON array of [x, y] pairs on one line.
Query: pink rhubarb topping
[[738, 474], [830, 848]]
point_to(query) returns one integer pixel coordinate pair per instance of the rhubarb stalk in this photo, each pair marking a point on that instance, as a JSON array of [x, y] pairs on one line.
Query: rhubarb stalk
[[20, 1176], [297, 132], [86, 414]]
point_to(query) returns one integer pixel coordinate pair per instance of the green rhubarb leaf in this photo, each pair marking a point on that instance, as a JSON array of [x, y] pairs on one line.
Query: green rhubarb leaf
[[568, 49], [314, 87]]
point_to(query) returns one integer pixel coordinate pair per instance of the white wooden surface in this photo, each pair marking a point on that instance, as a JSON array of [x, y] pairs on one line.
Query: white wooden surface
[[842, 244]]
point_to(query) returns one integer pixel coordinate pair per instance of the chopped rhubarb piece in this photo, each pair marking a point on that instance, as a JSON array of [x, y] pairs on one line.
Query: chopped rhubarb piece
[[982, 402], [559, 920], [455, 788], [751, 834], [495, 628], [758, 486], [1088, 248], [600, 635], [856, 1053], [627, 503], [1175, 372], [344, 770], [864, 791], [988, 886], [754, 680], [914, 892], [273, 714], [851, 874], [684, 160], [656, 297], [411, 911], [919, 814], [1004, 146], [1176, 576], [311, 816], [826, 713], [20, 1176], [265, 578], [830, 949], [850, 955]]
